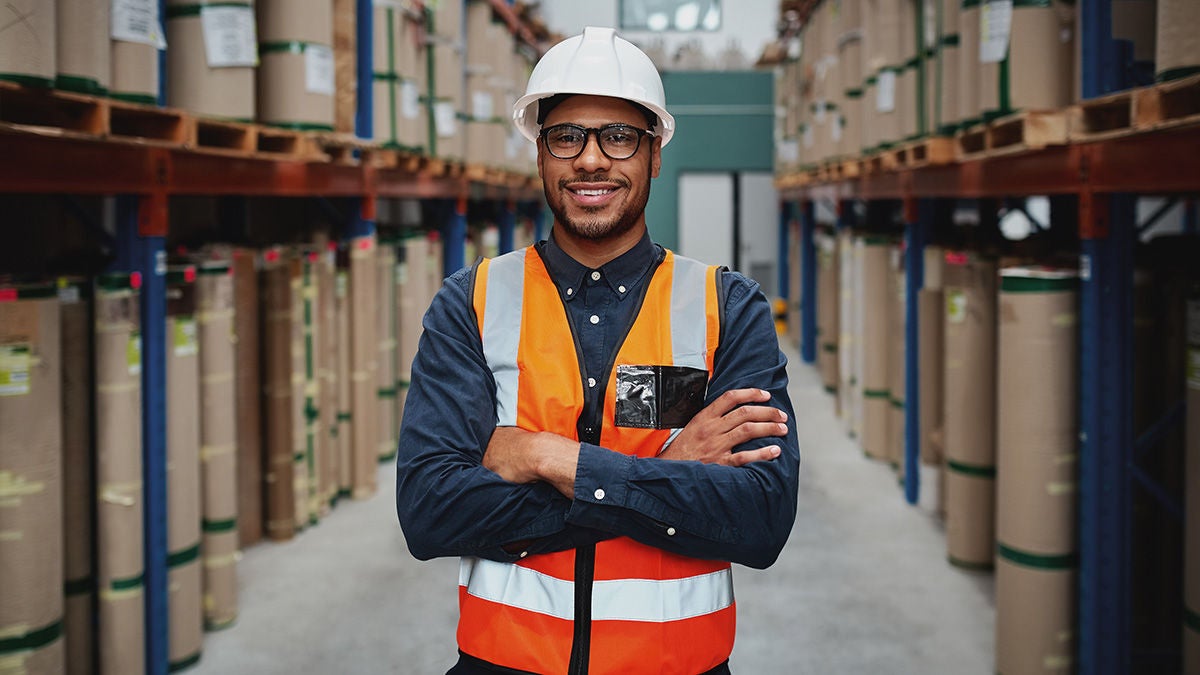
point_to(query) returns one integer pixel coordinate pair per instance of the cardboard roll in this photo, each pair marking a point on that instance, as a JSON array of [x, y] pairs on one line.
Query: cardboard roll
[[1177, 52], [211, 84], [84, 56]]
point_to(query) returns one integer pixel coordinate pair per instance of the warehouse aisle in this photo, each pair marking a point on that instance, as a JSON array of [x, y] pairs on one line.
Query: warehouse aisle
[[862, 587]]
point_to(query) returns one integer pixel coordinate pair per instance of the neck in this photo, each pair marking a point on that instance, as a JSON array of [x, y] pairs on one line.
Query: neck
[[595, 253]]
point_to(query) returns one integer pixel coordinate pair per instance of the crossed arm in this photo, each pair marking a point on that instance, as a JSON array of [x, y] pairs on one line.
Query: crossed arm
[[724, 489]]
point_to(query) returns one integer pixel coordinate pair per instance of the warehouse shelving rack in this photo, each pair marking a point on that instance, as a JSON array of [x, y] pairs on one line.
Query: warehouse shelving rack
[[143, 174], [1100, 179]]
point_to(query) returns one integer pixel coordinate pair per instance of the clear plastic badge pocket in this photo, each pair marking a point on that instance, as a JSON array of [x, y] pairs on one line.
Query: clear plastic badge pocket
[[659, 397]]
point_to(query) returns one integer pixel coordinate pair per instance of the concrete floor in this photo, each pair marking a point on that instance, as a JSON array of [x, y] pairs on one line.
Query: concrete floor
[[862, 587]]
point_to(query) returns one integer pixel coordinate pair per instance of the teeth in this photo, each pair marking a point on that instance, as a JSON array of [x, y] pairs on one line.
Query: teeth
[[593, 193]]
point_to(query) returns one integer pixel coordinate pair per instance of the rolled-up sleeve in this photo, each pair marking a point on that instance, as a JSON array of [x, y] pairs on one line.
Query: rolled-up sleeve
[[740, 514]]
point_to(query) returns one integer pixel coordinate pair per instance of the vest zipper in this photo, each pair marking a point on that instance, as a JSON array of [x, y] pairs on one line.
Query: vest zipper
[[581, 642]]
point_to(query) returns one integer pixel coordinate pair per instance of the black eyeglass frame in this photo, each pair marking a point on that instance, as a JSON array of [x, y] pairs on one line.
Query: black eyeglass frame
[[588, 132]]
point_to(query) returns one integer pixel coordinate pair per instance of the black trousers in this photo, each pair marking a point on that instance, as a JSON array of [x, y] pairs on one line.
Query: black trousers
[[469, 665]]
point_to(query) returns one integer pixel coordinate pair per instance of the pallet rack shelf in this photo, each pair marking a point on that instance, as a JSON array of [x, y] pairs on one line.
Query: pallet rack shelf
[[1119, 143], [53, 143]]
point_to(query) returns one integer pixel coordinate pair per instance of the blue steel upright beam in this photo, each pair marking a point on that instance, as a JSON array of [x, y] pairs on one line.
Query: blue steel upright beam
[[364, 39], [808, 282], [1100, 71], [918, 223], [785, 252], [141, 247], [508, 223], [1107, 228], [454, 236]]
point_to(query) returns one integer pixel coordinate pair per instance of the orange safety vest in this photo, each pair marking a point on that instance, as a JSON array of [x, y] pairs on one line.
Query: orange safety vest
[[650, 611]]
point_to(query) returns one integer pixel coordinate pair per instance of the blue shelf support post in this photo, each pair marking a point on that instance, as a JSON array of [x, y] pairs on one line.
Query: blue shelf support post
[[508, 223], [364, 124], [1107, 227], [1100, 72], [454, 236], [808, 282], [918, 223], [785, 250], [141, 248]]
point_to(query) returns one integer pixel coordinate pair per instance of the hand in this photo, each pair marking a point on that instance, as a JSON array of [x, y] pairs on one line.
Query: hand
[[520, 456], [716, 430]]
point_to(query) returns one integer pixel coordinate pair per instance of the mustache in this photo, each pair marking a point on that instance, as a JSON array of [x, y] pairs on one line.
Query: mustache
[[564, 183]]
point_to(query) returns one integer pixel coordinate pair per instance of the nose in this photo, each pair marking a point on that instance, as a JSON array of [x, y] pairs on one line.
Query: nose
[[592, 158]]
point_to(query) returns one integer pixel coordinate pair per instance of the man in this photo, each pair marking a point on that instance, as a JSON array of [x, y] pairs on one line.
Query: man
[[597, 426]]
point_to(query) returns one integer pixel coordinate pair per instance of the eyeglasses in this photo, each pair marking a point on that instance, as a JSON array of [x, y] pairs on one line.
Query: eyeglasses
[[617, 141]]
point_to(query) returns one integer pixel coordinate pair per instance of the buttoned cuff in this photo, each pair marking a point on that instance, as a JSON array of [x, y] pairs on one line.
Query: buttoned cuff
[[601, 478]]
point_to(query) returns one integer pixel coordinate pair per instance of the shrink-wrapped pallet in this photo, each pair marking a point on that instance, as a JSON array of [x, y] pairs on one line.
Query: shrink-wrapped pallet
[[31, 473]]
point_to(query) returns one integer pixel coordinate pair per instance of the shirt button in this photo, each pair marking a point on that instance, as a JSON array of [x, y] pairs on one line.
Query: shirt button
[[599, 493], [595, 319], [591, 381], [670, 532], [595, 276], [524, 553], [570, 291], [621, 289]]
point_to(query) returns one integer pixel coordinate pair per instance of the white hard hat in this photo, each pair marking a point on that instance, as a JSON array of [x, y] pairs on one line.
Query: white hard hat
[[600, 64]]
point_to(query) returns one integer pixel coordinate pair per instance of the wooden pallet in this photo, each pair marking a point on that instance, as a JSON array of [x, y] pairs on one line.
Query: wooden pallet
[[1100, 118], [1019, 132], [228, 137], [276, 141], [927, 152], [86, 115], [1168, 104], [881, 161]]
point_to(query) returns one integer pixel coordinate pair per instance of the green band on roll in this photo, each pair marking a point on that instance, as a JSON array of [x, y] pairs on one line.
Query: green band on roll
[[181, 558], [301, 126], [829, 347], [951, 40], [34, 291], [854, 92], [830, 389], [878, 393], [1191, 619], [385, 77], [1064, 562], [1036, 4], [1164, 76], [286, 47], [80, 85], [214, 269], [897, 403], [299, 458], [83, 586], [344, 417], [386, 393], [878, 241], [28, 80], [184, 663], [132, 97], [966, 565], [219, 526], [968, 4], [973, 470], [126, 584], [177, 11], [32, 640], [1037, 285]]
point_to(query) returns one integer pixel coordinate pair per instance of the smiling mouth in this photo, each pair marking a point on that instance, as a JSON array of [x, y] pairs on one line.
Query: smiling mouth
[[593, 192]]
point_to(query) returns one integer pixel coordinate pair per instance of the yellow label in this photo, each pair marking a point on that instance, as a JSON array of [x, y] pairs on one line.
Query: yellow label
[[185, 341], [133, 354], [15, 366], [956, 306]]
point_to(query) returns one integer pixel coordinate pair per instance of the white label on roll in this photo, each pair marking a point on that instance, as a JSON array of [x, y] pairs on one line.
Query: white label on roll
[[885, 91], [445, 119], [136, 21], [229, 40], [995, 25], [318, 69], [410, 100], [481, 106], [15, 361], [819, 113], [185, 340], [835, 130], [788, 151]]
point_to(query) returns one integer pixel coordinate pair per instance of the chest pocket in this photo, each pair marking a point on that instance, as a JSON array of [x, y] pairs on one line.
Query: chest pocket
[[659, 397]]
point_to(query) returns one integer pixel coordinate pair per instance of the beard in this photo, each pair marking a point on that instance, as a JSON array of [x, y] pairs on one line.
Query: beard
[[592, 225]]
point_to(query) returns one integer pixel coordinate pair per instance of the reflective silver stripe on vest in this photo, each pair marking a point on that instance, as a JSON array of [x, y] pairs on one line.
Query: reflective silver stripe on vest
[[613, 600], [689, 313], [502, 329]]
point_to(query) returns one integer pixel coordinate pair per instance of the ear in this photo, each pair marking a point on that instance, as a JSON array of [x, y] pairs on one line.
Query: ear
[[655, 157]]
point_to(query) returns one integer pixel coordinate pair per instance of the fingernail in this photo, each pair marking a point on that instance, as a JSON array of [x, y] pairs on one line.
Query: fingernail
[[785, 417], [782, 429], [775, 451]]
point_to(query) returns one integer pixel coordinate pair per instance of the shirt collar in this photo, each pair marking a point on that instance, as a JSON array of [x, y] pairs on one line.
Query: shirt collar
[[623, 272]]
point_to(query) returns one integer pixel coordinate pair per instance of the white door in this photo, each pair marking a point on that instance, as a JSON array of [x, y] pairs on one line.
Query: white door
[[706, 217], [758, 223]]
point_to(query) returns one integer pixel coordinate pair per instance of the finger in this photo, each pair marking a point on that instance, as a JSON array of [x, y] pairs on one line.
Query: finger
[[755, 413], [758, 455], [752, 430], [736, 397]]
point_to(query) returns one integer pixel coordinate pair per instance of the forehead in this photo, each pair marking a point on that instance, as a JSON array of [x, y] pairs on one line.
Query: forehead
[[594, 111]]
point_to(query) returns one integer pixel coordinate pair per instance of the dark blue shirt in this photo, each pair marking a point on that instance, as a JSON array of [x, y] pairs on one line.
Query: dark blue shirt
[[450, 505]]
